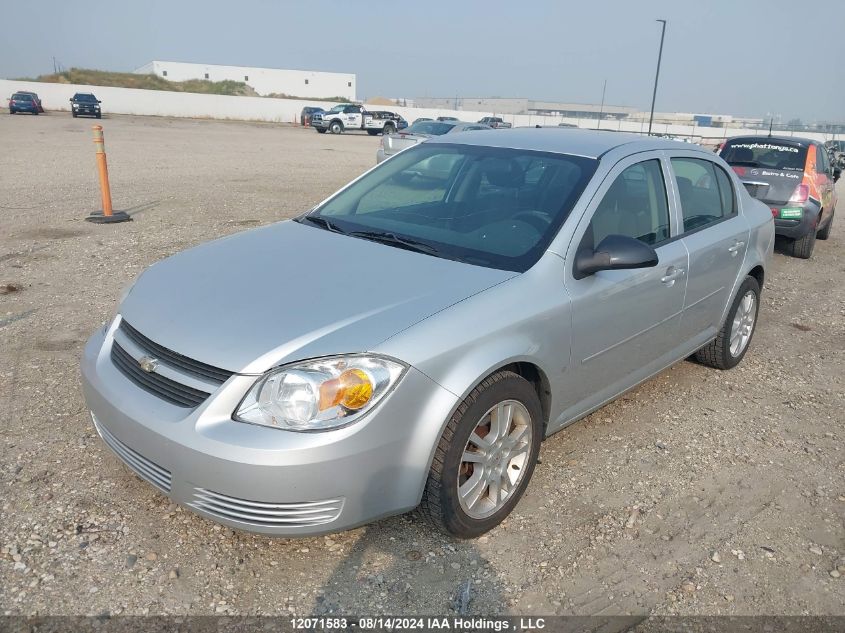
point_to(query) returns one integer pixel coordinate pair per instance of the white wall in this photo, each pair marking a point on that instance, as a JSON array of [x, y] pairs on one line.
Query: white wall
[[299, 83], [184, 104]]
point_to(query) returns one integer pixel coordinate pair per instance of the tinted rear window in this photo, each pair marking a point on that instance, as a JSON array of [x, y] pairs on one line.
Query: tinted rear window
[[764, 152], [21, 97]]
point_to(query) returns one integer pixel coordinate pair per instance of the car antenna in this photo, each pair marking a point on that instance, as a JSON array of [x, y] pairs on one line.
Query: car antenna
[[771, 120]]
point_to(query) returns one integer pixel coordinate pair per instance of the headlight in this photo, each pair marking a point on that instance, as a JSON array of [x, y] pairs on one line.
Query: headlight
[[320, 394]]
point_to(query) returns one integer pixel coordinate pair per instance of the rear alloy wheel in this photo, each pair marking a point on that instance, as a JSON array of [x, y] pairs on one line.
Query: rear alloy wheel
[[388, 129], [825, 232], [803, 246], [336, 128], [729, 347], [485, 457]]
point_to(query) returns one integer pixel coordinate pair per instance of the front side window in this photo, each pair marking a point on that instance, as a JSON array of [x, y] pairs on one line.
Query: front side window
[[704, 200], [492, 207], [635, 205]]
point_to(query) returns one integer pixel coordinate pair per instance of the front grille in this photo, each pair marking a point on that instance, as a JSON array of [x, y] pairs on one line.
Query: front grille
[[130, 346], [183, 363], [166, 389], [262, 514], [140, 465]]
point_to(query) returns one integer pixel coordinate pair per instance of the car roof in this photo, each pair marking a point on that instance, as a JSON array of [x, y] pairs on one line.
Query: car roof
[[588, 143], [798, 140]]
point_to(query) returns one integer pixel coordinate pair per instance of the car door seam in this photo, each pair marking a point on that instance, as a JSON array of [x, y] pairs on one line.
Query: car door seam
[[630, 338]]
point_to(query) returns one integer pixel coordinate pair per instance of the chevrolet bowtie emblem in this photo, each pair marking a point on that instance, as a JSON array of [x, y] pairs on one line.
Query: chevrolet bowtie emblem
[[148, 363]]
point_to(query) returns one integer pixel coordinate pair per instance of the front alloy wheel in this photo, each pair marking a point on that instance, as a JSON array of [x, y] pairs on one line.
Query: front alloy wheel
[[485, 457], [493, 461]]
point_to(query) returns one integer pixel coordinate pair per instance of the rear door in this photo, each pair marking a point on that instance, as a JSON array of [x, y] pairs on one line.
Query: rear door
[[715, 235], [625, 323]]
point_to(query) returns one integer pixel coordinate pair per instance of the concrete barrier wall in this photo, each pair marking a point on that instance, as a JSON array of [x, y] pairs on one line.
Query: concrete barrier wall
[[191, 105]]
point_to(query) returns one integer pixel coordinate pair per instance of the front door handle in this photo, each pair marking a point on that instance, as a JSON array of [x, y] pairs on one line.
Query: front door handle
[[671, 275], [733, 250]]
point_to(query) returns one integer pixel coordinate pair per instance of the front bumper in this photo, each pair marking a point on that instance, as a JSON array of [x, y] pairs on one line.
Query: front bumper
[[86, 111], [266, 480], [320, 123]]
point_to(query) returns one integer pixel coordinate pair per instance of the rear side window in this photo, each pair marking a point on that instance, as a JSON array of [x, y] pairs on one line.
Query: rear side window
[[705, 192], [634, 206]]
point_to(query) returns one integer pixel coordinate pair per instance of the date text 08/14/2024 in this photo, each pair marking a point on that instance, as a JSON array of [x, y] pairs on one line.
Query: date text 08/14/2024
[[379, 623]]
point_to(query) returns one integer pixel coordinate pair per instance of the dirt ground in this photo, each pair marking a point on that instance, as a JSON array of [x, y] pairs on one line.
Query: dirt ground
[[702, 492]]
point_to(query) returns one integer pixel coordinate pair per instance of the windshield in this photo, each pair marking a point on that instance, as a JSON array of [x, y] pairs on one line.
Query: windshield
[[337, 108], [492, 207], [86, 98], [434, 128], [764, 152]]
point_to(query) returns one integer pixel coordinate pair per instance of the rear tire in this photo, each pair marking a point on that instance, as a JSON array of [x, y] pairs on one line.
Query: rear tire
[[372, 132], [802, 248], [825, 232], [388, 129], [450, 498], [717, 353]]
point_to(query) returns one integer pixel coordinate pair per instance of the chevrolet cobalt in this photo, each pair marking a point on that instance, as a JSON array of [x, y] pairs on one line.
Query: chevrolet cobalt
[[410, 341]]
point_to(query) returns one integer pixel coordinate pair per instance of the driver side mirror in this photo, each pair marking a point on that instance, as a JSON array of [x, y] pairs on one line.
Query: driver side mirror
[[615, 252]]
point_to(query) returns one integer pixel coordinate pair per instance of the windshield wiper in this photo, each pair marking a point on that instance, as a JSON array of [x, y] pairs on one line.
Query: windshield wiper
[[385, 237], [321, 222]]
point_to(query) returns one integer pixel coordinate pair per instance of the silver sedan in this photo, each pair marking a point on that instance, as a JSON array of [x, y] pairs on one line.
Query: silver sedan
[[413, 339], [422, 131]]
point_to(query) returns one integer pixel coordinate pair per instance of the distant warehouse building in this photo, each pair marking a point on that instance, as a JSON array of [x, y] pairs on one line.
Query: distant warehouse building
[[265, 81]]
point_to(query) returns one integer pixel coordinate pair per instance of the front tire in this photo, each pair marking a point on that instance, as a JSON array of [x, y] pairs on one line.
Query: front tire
[[825, 232], [730, 345], [475, 482], [336, 128]]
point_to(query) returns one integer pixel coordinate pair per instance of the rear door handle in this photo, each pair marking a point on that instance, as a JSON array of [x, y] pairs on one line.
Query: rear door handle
[[733, 250], [671, 275]]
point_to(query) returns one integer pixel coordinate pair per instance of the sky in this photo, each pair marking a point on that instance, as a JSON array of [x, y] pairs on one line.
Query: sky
[[743, 57]]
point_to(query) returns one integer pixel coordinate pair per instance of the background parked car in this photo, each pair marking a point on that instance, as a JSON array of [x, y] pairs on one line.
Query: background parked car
[[495, 122], [34, 96], [85, 103], [448, 118], [24, 102], [420, 131], [794, 178], [307, 111]]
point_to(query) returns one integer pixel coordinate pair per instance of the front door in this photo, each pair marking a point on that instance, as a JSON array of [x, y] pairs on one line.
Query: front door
[[625, 323]]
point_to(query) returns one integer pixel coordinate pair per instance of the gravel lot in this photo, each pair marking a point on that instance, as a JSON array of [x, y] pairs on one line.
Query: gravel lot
[[702, 492]]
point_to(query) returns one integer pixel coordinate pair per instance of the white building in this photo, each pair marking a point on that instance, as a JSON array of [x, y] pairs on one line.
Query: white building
[[294, 83]]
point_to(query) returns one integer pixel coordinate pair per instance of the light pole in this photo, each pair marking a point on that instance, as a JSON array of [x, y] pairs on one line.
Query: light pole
[[601, 108], [657, 75]]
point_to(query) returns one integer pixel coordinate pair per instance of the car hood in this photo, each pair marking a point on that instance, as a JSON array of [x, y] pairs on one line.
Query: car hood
[[288, 291]]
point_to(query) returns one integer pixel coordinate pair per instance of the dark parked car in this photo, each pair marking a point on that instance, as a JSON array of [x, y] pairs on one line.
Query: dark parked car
[[307, 111], [34, 96], [793, 177], [85, 103], [24, 102]]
